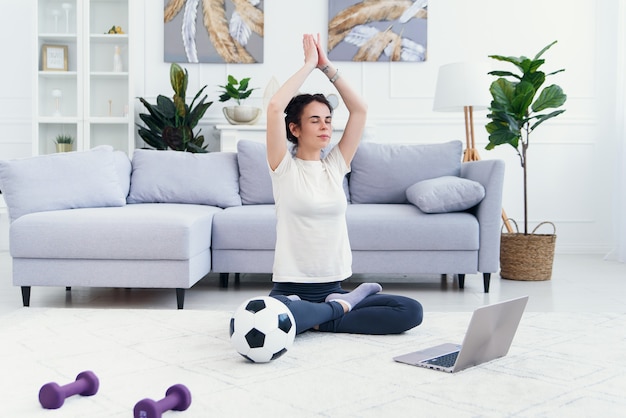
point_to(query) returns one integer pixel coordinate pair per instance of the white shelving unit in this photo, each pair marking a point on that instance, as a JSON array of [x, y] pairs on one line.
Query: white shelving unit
[[89, 100]]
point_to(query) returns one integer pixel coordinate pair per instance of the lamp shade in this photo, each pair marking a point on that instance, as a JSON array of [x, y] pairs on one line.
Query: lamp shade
[[462, 84]]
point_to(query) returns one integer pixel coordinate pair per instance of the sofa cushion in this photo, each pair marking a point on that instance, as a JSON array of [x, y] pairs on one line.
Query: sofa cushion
[[381, 173], [255, 183], [66, 180], [403, 227], [247, 227], [183, 177], [151, 231], [445, 194]]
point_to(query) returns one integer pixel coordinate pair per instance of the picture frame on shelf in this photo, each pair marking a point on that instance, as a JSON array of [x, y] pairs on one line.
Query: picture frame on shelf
[[54, 57]]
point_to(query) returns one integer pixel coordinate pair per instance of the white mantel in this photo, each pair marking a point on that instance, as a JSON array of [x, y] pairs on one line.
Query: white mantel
[[231, 134]]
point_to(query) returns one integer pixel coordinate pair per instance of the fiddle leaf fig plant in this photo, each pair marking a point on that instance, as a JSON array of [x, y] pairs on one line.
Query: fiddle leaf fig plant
[[236, 90], [519, 105], [170, 122]]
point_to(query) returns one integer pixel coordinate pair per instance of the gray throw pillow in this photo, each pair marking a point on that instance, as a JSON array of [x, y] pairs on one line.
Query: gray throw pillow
[[381, 173], [445, 194], [66, 180], [184, 177]]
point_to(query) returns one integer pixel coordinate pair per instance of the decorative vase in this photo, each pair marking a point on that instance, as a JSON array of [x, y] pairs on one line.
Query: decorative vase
[[527, 257], [242, 115], [64, 147], [117, 60]]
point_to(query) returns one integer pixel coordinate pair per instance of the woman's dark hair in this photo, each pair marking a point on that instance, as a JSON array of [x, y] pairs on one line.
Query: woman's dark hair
[[293, 111]]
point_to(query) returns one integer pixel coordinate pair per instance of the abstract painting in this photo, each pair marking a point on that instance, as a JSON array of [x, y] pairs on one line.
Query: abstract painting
[[377, 30], [213, 31]]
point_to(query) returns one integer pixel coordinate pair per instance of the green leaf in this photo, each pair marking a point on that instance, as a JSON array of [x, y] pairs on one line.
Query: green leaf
[[543, 118], [198, 113], [536, 79], [243, 84], [178, 80], [549, 98], [522, 98], [166, 107], [504, 74], [540, 53]]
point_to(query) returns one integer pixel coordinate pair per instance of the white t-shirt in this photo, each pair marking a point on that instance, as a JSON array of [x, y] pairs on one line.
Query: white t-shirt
[[312, 244]]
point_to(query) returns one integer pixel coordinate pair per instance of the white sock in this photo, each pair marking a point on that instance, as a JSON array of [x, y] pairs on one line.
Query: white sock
[[357, 295]]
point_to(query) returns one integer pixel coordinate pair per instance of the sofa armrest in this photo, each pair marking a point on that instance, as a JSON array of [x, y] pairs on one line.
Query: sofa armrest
[[489, 173]]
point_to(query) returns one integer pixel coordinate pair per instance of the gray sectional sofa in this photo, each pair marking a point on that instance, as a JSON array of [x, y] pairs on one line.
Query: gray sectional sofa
[[166, 219]]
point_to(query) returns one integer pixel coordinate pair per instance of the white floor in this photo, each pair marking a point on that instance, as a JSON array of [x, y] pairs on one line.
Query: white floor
[[584, 283]]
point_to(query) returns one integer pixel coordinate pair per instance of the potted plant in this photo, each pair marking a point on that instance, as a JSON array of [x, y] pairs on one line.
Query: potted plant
[[519, 105], [63, 143], [239, 91], [170, 122]]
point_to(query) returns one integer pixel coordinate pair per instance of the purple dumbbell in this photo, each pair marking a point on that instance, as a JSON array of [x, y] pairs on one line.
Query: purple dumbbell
[[177, 398], [52, 396]]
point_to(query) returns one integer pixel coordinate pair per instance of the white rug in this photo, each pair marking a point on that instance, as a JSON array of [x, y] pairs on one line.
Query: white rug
[[560, 364]]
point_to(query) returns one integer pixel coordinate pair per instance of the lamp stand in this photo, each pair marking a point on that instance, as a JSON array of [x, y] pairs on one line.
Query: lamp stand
[[471, 153]]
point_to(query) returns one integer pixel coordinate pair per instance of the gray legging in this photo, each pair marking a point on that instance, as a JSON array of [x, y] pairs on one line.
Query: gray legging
[[376, 314]]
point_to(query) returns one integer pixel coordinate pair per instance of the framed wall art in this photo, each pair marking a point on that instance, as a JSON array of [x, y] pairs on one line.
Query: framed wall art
[[54, 57], [213, 31], [382, 30]]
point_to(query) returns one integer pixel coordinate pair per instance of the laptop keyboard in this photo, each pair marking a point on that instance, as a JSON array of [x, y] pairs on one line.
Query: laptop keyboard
[[447, 360]]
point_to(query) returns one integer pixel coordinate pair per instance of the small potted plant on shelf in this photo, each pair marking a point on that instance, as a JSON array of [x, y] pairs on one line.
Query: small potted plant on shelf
[[64, 143], [170, 122], [239, 91], [516, 110]]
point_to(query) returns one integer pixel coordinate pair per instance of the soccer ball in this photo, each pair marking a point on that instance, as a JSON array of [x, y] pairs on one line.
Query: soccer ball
[[262, 329]]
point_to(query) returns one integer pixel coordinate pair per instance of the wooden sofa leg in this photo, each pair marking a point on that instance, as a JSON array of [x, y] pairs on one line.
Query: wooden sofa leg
[[486, 281], [180, 298], [461, 281], [26, 295], [224, 280]]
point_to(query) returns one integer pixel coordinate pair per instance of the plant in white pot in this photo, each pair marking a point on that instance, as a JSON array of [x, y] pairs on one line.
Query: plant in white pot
[[519, 105], [239, 91]]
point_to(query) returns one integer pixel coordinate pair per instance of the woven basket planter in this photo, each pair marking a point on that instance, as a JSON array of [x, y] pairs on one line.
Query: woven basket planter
[[527, 257]]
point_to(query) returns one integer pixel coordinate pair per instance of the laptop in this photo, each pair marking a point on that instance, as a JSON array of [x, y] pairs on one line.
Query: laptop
[[488, 336]]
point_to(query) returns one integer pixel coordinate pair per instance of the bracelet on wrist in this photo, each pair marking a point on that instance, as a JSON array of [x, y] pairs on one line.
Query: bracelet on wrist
[[335, 77]]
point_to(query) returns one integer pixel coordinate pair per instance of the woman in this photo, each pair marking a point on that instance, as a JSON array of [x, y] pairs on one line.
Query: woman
[[313, 252]]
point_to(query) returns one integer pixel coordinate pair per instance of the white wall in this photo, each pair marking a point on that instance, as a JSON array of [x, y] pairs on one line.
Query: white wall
[[570, 158]]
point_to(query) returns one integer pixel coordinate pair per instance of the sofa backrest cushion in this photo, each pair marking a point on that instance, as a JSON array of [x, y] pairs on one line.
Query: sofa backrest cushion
[[381, 173], [184, 177], [255, 183], [68, 180]]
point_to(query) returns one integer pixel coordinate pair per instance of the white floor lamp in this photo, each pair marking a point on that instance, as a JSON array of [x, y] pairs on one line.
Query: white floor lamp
[[465, 86]]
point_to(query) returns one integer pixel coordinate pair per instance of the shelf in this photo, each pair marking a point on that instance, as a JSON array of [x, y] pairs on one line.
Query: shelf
[[57, 74], [108, 74], [109, 38], [58, 37], [109, 120], [92, 100], [58, 120]]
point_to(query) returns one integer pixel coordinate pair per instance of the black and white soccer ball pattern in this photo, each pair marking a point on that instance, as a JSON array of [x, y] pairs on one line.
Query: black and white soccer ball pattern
[[262, 329]]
